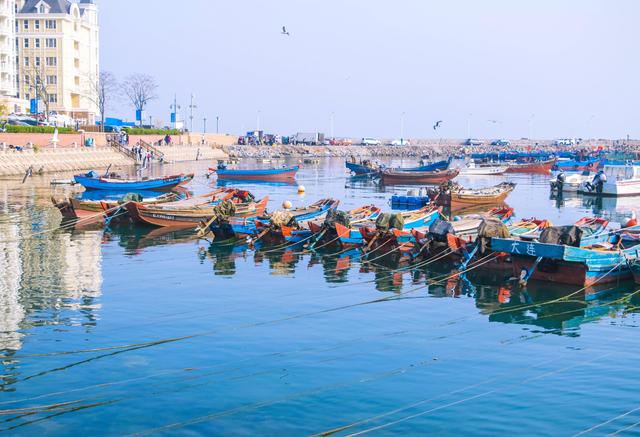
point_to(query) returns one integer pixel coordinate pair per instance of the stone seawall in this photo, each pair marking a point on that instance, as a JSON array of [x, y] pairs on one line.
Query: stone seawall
[[431, 148], [13, 162]]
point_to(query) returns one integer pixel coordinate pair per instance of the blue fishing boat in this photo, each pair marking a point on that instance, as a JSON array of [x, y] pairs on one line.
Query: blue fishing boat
[[584, 266], [353, 236], [364, 168], [92, 181], [250, 226], [432, 166], [574, 165], [272, 174]]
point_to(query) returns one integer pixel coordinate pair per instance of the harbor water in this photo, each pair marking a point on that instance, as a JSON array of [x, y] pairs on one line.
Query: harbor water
[[135, 330]]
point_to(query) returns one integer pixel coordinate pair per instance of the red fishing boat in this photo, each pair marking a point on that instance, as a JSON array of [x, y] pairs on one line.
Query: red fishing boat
[[543, 167], [390, 176], [180, 215]]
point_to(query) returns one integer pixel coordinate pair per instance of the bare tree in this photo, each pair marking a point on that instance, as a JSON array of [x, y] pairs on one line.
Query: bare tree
[[140, 89], [101, 90], [39, 86]]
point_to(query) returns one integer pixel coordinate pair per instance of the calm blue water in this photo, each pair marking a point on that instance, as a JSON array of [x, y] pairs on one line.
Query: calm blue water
[[130, 331]]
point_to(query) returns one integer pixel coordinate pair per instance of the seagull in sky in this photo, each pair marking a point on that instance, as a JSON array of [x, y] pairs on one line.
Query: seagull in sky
[[284, 31], [437, 125]]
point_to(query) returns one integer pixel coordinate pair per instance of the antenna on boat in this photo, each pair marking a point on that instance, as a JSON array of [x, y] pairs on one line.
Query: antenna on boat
[[106, 173]]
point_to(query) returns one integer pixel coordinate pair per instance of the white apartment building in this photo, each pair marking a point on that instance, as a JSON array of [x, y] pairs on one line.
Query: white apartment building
[[8, 73], [58, 48]]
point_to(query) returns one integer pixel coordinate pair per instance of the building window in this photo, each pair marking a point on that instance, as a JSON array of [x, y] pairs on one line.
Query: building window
[[50, 24], [52, 80], [53, 98], [27, 79], [36, 24], [42, 10], [37, 61], [25, 24], [26, 43], [51, 43], [52, 61], [26, 62], [37, 41]]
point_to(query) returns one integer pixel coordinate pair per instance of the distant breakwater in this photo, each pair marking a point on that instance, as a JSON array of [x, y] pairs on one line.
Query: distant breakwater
[[436, 148]]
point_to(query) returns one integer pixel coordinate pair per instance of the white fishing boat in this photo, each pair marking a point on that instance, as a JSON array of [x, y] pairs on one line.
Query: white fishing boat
[[572, 181], [621, 180], [473, 168]]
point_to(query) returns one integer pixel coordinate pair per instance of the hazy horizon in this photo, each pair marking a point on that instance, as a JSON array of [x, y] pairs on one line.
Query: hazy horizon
[[547, 68]]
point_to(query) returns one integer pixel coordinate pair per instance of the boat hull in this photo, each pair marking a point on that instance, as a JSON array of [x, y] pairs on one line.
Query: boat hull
[[158, 184], [543, 167], [277, 175], [569, 273], [391, 177]]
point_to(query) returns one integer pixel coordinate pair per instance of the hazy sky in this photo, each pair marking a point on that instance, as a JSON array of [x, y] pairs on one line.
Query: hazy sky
[[571, 66]]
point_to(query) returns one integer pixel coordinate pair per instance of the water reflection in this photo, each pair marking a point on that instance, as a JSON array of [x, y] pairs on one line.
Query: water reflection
[[49, 277]]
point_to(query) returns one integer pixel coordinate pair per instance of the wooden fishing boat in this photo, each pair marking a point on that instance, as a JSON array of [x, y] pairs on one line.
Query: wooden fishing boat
[[325, 230], [463, 197], [393, 239], [92, 181], [351, 235], [249, 227], [602, 263], [390, 177], [96, 211], [273, 174], [532, 166], [291, 225], [177, 216]]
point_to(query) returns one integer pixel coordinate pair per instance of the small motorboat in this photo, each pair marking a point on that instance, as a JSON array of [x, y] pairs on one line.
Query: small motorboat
[[621, 180], [572, 181], [473, 169]]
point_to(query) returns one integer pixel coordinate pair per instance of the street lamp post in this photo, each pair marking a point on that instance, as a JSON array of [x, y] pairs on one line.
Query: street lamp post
[[204, 128], [402, 129], [217, 120], [192, 106]]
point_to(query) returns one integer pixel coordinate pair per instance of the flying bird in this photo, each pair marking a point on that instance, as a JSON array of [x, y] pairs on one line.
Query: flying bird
[[284, 31], [437, 125]]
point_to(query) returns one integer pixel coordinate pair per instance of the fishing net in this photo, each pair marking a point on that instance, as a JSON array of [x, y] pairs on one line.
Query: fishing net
[[567, 235], [335, 216], [397, 221], [281, 218], [387, 221], [132, 197], [489, 228]]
